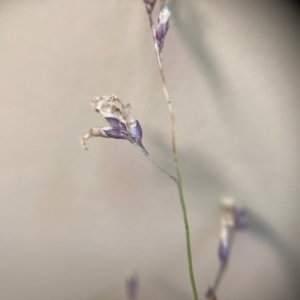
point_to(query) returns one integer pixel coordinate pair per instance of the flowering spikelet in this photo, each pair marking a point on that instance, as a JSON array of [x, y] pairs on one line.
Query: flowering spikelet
[[163, 23], [122, 124], [233, 218]]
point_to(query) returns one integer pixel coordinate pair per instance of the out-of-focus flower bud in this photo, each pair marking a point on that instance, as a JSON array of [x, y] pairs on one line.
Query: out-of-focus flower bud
[[149, 4], [132, 287], [162, 24], [223, 250], [234, 214], [233, 218], [239, 216]]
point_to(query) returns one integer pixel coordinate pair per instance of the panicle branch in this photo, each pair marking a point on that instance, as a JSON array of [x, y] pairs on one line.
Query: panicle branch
[[122, 126]]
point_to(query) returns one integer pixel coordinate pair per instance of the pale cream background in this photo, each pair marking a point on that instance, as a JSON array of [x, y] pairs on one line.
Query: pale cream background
[[72, 223]]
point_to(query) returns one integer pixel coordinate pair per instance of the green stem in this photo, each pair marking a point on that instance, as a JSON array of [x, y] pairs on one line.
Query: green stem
[[175, 158], [187, 235]]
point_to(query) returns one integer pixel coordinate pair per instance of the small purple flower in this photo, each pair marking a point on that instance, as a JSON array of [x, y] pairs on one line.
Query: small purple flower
[[118, 115], [163, 24]]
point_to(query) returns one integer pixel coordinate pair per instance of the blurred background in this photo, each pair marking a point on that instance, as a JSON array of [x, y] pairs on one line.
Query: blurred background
[[74, 223]]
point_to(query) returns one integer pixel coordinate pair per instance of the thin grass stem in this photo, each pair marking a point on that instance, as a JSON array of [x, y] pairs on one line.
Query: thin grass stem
[[175, 158]]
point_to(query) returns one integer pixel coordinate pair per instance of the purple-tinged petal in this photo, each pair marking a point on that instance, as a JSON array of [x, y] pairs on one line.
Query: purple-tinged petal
[[163, 24], [116, 133], [136, 132], [239, 216], [162, 31], [239, 212], [115, 123]]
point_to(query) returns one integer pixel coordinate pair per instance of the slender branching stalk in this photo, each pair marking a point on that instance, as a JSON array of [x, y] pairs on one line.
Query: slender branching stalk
[[175, 156], [124, 126]]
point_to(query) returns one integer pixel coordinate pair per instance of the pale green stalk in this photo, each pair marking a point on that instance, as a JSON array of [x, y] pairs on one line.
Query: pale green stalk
[[175, 158]]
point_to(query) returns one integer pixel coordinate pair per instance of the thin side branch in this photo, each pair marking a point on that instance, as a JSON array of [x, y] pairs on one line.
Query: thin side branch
[[146, 153]]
